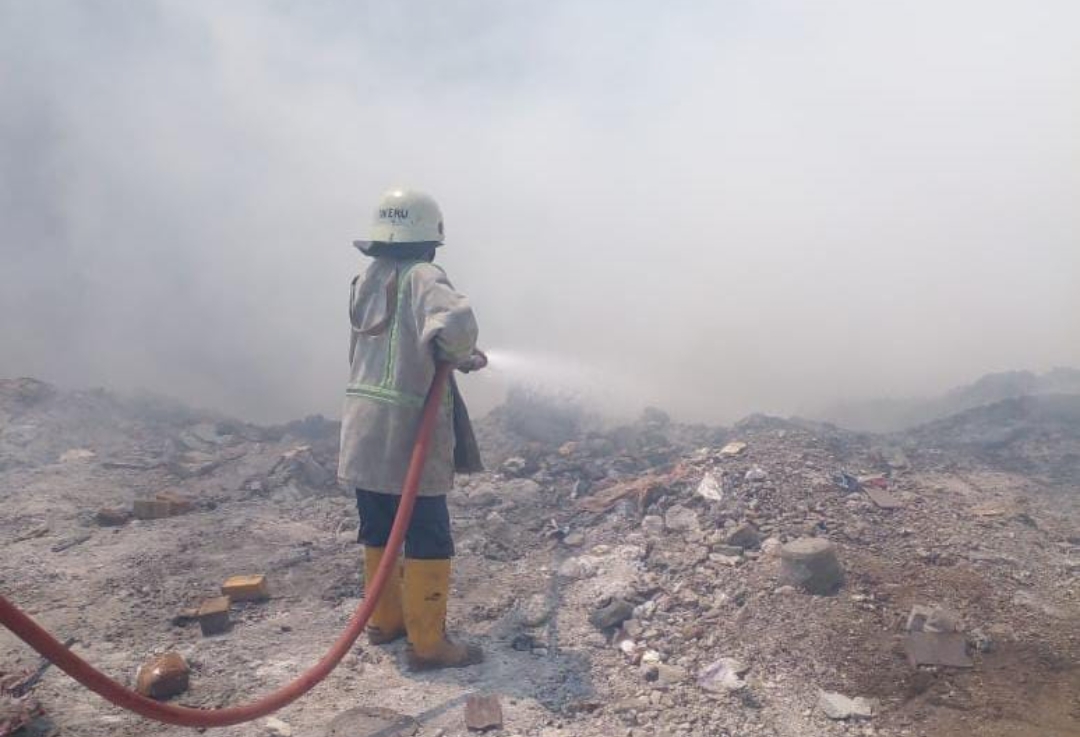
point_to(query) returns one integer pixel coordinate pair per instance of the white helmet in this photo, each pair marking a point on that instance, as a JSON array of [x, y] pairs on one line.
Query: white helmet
[[405, 216]]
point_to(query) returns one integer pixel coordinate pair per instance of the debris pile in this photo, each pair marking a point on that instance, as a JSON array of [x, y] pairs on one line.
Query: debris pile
[[772, 579]]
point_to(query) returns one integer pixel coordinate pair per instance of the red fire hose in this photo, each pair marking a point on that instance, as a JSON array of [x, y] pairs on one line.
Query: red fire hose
[[38, 638]]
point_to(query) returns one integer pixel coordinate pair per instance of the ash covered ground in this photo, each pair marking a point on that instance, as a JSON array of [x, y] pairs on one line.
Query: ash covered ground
[[624, 580]]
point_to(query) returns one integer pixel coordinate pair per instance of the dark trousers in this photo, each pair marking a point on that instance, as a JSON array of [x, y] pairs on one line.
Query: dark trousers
[[428, 536]]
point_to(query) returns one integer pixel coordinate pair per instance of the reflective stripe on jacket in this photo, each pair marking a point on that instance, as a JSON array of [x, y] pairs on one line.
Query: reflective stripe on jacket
[[404, 315]]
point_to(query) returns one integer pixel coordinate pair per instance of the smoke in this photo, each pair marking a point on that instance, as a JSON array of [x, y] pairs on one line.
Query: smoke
[[738, 206]]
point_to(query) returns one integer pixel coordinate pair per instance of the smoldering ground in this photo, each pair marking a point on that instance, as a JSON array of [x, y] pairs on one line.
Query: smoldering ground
[[746, 206]]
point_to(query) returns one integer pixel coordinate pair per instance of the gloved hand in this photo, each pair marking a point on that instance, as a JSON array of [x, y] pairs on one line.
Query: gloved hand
[[475, 362]]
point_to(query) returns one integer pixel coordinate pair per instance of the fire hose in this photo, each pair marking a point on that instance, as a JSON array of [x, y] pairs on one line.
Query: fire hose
[[52, 649]]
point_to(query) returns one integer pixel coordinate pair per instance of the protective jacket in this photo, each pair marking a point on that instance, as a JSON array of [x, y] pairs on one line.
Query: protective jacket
[[405, 315]]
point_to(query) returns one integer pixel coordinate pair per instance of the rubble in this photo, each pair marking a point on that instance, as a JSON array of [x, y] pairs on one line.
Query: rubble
[[723, 676], [612, 614], [277, 728], [112, 517], [213, 616], [483, 713], [246, 588], [606, 581], [810, 563], [162, 505], [839, 707], [163, 676]]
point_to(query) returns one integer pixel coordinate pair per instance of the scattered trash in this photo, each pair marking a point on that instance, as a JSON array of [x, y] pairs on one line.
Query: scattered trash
[[876, 481], [483, 713], [723, 676], [847, 482], [246, 588], [163, 676], [17, 713]]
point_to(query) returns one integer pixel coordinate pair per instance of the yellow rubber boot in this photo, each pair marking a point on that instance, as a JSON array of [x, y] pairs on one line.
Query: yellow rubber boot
[[427, 586], [387, 622]]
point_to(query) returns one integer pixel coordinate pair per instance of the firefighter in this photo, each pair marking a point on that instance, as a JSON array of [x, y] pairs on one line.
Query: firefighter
[[406, 317]]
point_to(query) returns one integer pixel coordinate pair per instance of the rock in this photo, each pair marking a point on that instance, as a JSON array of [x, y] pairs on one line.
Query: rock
[[710, 488], [574, 540], [612, 615], [723, 676], [77, 454], [163, 676], [278, 728], [837, 706], [810, 563], [534, 611], [483, 713], [728, 551], [669, 675], [733, 448], [680, 519], [744, 536], [757, 475], [652, 524], [518, 467], [112, 517], [583, 566], [300, 465]]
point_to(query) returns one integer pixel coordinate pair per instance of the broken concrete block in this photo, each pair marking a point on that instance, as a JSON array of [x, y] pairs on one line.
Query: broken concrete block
[[112, 517], [483, 713], [810, 563], [837, 706], [163, 676], [214, 616], [246, 588], [938, 648]]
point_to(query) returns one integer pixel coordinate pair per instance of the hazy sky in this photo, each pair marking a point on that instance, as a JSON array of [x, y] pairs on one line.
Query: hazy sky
[[715, 207]]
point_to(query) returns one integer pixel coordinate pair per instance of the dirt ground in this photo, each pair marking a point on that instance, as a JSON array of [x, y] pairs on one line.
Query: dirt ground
[[535, 561]]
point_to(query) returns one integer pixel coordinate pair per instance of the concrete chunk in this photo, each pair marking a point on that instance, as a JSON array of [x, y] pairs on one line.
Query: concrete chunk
[[483, 713], [810, 563]]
